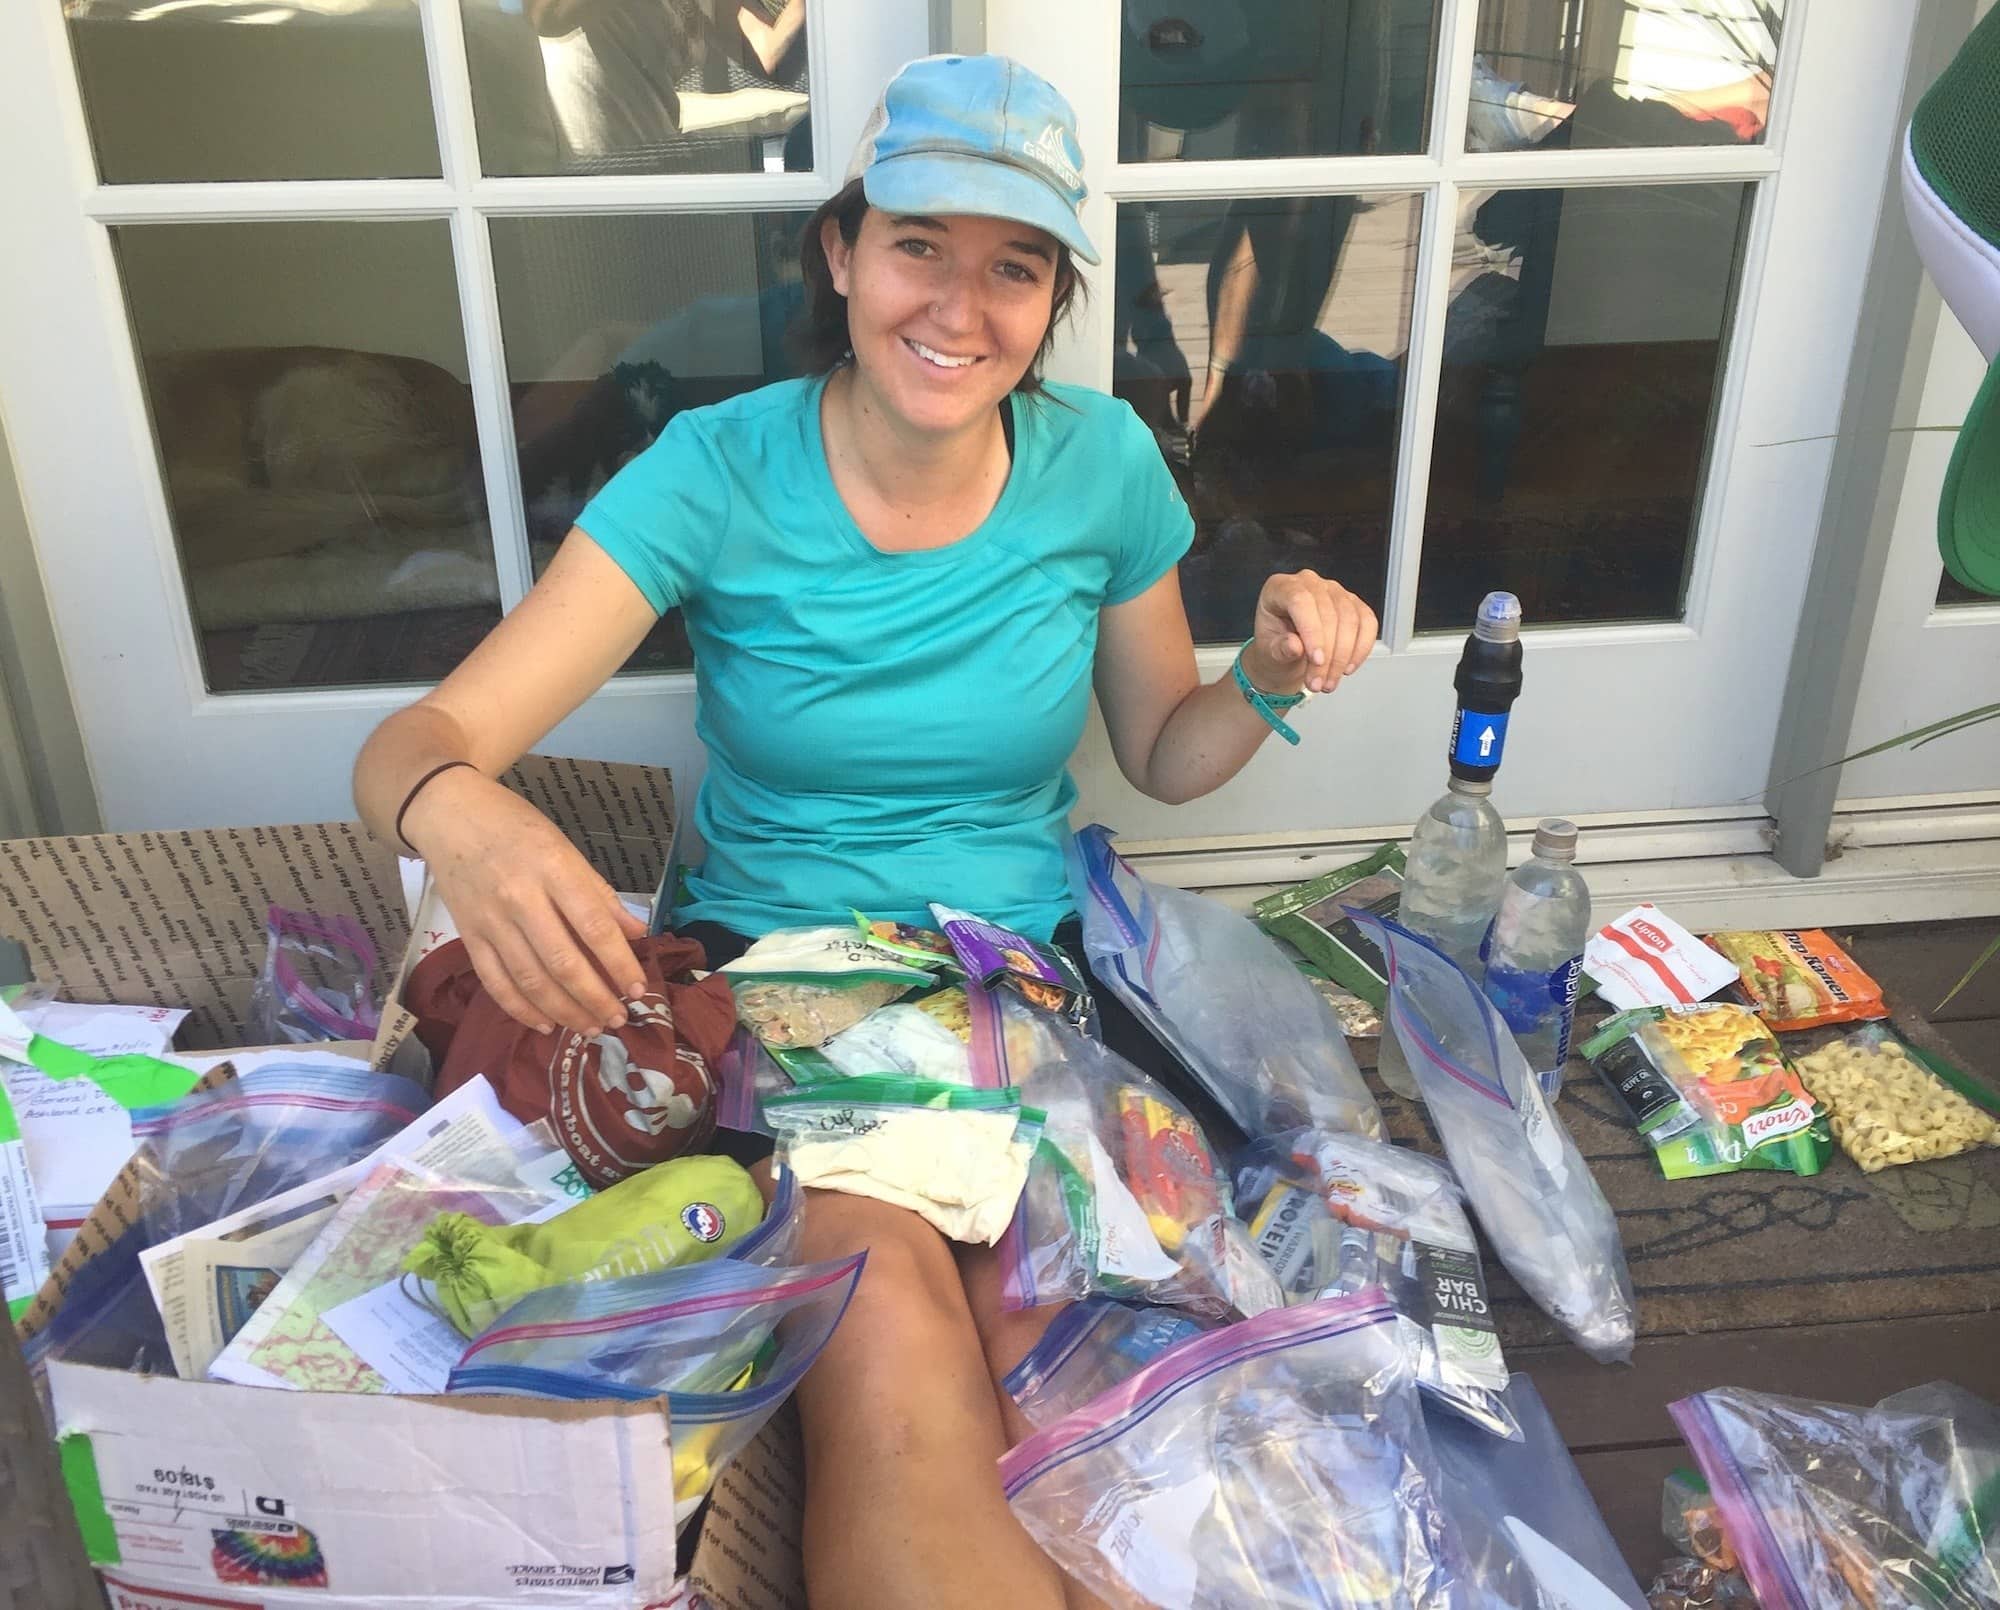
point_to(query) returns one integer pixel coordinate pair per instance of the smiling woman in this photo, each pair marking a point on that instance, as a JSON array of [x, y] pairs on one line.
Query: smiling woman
[[903, 574]]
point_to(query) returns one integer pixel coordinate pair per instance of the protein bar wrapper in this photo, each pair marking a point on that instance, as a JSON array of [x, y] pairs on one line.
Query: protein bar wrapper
[[1645, 958], [1799, 978]]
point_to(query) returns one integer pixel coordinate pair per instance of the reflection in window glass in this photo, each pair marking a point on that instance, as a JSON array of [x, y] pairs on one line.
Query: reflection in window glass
[[1200, 80], [1952, 593], [253, 89], [1263, 339], [639, 86], [1571, 74], [308, 390], [615, 324], [1582, 353]]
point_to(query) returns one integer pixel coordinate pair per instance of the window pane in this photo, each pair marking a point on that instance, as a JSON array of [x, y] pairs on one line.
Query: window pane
[[1582, 352], [639, 86], [254, 89], [1952, 593], [1570, 74], [615, 324], [1263, 339], [1284, 78], [309, 400]]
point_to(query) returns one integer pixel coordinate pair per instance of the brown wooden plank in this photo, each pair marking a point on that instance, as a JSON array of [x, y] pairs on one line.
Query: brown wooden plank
[[1597, 1406], [1627, 1486], [42, 1565]]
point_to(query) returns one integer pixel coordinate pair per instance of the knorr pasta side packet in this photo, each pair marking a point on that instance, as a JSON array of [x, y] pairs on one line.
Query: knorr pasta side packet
[[1799, 978], [1755, 1112]]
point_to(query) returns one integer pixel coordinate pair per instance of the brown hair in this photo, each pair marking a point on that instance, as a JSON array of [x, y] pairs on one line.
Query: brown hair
[[820, 340]]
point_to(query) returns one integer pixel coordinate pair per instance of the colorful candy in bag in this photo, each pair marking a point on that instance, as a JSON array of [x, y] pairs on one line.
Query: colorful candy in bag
[[1799, 978], [1336, 1214], [1123, 1196], [1282, 1462], [679, 1212]]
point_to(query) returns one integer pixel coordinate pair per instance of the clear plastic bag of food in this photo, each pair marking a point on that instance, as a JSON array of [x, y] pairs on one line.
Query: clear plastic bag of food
[[1529, 1185], [1888, 1105], [1220, 994], [201, 1159], [318, 981], [1833, 1507], [1281, 1462], [802, 986], [1123, 1197], [725, 1342], [1334, 1214], [1089, 1348]]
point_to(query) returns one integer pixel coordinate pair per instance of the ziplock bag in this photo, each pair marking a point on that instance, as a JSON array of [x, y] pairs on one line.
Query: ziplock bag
[[1221, 995], [1280, 1462], [1526, 1180], [1088, 1348], [1831, 1507], [682, 1211], [287, 1343], [202, 1158], [957, 1156], [318, 981], [1528, 1531], [1123, 1196], [1334, 1214], [802, 986], [726, 1342]]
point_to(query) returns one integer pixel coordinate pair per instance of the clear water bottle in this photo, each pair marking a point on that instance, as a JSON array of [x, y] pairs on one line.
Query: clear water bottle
[[1534, 955], [1457, 859], [1453, 874]]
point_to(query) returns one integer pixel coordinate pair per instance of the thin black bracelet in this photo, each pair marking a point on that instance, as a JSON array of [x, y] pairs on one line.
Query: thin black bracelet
[[417, 788]]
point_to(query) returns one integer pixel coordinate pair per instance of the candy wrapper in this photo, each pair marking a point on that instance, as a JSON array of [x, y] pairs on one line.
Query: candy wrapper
[[998, 957], [1799, 978]]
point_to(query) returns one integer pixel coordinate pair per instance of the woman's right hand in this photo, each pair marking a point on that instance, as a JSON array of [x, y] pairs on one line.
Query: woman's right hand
[[549, 937]]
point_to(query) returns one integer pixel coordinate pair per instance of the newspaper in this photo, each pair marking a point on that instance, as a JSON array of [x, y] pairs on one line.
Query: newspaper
[[207, 1282]]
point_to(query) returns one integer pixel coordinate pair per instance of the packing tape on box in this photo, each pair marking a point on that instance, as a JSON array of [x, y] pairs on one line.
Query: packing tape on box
[[131, 1081]]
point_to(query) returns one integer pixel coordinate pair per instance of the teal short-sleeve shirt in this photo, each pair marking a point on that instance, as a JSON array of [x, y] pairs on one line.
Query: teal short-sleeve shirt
[[887, 729]]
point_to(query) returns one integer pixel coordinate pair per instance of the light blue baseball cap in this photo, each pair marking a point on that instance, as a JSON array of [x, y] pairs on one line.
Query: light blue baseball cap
[[980, 135]]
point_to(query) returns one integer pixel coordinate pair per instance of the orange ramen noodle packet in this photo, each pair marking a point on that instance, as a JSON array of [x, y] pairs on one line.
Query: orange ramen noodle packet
[[1799, 978]]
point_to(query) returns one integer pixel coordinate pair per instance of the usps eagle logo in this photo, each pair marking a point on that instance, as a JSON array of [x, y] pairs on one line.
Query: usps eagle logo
[[703, 1221]]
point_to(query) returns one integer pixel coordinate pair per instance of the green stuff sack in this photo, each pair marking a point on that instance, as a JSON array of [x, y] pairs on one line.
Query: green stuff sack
[[679, 1212]]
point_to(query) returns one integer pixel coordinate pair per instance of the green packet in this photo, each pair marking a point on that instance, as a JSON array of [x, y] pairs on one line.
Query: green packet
[[884, 1090], [1310, 917]]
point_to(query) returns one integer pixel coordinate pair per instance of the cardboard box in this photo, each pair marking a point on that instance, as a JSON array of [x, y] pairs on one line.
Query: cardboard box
[[197, 1496]]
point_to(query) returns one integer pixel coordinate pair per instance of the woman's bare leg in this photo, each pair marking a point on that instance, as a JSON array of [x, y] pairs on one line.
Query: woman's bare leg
[[902, 1434], [1006, 1338]]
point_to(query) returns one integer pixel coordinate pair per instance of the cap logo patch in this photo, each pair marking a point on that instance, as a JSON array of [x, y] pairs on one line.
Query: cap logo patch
[[1048, 149]]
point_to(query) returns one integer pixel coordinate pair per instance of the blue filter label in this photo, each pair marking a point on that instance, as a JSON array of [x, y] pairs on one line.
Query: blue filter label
[[1477, 737]]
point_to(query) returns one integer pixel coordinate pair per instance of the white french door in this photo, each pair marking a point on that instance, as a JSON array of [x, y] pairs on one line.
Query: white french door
[[1543, 295], [322, 318], [329, 314]]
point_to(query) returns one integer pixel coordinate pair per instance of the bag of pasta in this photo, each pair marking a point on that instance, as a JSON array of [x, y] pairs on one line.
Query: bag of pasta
[[1755, 1113], [1888, 1106]]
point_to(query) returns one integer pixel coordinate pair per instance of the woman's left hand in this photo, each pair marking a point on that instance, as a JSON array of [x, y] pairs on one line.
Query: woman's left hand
[[1309, 633]]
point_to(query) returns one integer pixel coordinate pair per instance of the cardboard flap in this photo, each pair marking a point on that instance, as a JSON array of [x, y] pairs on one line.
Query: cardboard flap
[[507, 1501]]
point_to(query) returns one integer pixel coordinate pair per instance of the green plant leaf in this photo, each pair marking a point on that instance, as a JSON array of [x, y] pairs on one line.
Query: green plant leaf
[[1916, 738], [1972, 972]]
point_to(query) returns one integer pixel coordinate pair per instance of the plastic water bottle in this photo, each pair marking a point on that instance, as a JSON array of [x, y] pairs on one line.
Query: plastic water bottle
[[1535, 953], [1456, 863]]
